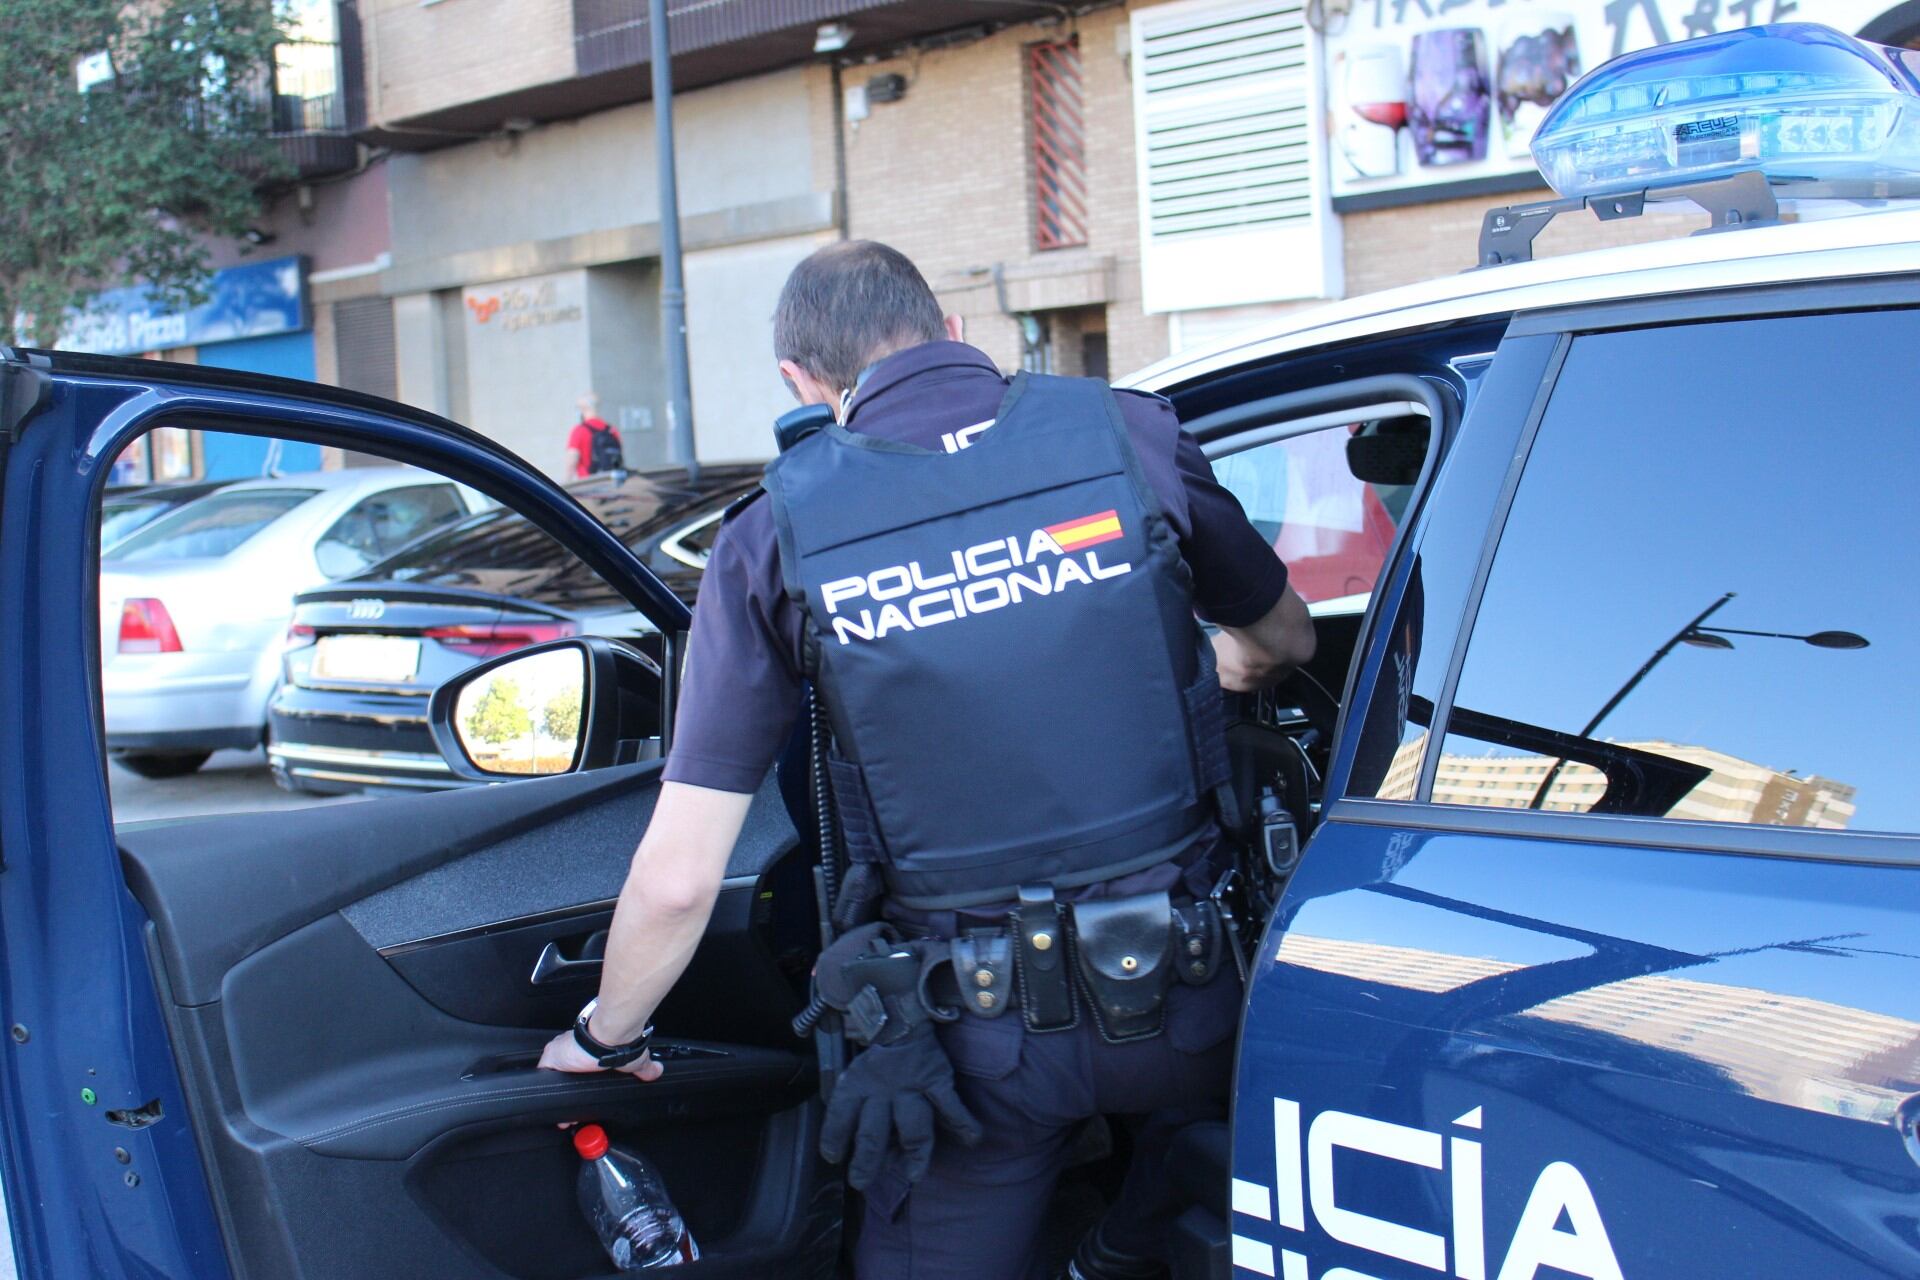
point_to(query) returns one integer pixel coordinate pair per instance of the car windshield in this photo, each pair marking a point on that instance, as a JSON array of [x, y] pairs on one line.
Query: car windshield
[[212, 526]]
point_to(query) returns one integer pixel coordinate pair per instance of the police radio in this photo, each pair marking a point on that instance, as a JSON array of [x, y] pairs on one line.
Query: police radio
[[795, 425]]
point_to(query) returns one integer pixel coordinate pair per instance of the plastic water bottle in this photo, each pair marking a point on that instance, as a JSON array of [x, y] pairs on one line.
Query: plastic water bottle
[[625, 1199]]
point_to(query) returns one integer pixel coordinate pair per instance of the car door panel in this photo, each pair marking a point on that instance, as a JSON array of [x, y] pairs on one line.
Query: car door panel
[[1493, 1040], [427, 915], [217, 1062]]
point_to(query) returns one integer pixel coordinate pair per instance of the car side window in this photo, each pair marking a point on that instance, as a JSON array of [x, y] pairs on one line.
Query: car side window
[[1702, 602], [1333, 529], [213, 526], [377, 526]]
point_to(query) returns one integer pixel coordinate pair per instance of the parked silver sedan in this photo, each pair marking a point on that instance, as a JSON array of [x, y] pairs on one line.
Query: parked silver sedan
[[194, 607]]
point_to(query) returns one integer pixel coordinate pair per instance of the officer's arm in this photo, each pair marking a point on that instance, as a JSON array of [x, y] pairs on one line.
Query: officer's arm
[[662, 913], [1255, 656]]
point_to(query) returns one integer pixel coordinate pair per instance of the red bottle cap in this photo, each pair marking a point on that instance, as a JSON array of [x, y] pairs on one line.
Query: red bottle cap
[[590, 1140]]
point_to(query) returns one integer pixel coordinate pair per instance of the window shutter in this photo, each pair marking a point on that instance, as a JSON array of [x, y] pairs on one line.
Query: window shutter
[[1059, 134], [363, 345], [1227, 121]]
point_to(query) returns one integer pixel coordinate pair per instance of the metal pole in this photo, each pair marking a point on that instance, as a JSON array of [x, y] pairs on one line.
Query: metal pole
[[1620, 694], [673, 289]]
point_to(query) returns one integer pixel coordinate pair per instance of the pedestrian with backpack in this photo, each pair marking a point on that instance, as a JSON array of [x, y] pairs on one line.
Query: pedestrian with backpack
[[594, 442]]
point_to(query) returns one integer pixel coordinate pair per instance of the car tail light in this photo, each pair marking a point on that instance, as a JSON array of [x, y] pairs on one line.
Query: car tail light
[[147, 627], [299, 635], [490, 640]]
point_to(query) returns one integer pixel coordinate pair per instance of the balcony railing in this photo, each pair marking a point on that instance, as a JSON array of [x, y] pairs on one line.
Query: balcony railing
[[316, 101]]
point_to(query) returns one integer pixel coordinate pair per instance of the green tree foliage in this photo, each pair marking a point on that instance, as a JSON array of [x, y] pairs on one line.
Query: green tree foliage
[[117, 184], [562, 718], [498, 714]]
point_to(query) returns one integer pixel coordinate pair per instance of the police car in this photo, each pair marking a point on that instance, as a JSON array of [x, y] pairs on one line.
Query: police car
[[1580, 877]]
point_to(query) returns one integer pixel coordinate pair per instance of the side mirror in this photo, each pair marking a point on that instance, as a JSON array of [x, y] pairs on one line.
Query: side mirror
[[560, 707]]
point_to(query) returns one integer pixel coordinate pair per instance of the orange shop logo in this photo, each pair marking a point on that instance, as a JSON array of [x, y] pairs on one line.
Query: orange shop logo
[[484, 309]]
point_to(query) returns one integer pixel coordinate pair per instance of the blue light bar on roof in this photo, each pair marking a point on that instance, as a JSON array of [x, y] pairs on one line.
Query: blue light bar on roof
[[1797, 101]]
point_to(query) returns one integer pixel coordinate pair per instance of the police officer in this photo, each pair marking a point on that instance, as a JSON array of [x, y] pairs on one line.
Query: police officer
[[992, 587]]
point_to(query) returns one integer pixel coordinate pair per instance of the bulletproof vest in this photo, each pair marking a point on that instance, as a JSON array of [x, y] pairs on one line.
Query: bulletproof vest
[[1005, 642]]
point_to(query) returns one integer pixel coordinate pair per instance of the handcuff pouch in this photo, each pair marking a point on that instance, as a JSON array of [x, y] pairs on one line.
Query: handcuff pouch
[[1124, 950]]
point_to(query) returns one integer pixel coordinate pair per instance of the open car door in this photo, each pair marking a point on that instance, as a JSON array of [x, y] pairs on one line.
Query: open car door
[[301, 1044]]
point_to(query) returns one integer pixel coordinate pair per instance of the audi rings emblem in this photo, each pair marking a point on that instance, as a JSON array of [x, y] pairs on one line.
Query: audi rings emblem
[[366, 609]]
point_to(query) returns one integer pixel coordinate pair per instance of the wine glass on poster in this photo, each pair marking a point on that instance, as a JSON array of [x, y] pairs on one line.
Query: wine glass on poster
[[1374, 87]]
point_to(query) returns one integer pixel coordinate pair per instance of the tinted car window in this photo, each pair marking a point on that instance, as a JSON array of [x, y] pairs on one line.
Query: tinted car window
[[1332, 529], [501, 552], [212, 526], [1702, 605], [382, 523], [117, 519]]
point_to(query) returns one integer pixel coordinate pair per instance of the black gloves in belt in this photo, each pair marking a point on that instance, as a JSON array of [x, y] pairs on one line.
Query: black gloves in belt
[[892, 1093]]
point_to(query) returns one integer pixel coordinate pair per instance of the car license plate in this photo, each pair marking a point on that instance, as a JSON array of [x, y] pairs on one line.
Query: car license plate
[[382, 659]]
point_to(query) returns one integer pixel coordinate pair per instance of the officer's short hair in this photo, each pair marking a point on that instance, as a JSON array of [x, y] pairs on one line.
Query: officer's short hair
[[850, 304]]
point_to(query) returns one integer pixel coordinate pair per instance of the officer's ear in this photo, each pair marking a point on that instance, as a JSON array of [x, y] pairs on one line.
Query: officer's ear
[[807, 388], [956, 328]]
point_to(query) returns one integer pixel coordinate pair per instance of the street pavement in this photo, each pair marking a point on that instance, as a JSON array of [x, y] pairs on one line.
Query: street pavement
[[231, 782]]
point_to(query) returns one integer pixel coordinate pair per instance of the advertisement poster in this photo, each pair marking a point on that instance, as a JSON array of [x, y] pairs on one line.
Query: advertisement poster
[[1432, 93]]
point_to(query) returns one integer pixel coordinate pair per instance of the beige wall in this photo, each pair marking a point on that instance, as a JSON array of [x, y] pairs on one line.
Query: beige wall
[[1388, 247], [944, 176], [739, 145], [427, 57], [737, 391]]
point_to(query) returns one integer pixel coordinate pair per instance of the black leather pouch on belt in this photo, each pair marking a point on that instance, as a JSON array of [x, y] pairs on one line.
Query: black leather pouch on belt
[[1046, 986], [1124, 949], [1196, 932], [983, 967]]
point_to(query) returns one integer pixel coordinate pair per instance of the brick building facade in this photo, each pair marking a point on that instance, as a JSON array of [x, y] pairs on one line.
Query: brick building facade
[[1090, 186]]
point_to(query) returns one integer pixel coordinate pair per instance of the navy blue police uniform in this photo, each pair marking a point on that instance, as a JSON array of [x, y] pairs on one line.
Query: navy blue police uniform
[[993, 746]]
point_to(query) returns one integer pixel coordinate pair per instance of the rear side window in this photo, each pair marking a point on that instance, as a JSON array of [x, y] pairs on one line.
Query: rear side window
[[117, 519], [212, 526], [379, 525], [1703, 605], [1332, 528]]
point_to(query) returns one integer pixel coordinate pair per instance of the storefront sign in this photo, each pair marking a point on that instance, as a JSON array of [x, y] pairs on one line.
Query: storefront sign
[[1429, 92], [248, 301], [526, 304]]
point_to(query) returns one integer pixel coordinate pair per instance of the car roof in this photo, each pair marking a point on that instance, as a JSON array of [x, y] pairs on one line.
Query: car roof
[[347, 478], [1866, 244], [182, 490]]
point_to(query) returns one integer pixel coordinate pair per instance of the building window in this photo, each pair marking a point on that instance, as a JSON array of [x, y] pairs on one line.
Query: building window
[[1056, 123], [306, 71], [1231, 157]]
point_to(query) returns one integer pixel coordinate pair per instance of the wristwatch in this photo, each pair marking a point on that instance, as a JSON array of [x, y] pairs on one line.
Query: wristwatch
[[609, 1057]]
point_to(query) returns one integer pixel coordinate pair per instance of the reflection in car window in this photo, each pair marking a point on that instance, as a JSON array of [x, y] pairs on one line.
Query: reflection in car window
[[383, 523], [1332, 530], [117, 519], [1702, 604], [504, 553], [212, 526]]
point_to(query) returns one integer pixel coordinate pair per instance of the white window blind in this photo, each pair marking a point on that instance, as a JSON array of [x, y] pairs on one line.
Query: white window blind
[[1228, 143]]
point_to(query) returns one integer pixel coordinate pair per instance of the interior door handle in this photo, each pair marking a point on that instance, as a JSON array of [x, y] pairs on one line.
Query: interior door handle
[[555, 965]]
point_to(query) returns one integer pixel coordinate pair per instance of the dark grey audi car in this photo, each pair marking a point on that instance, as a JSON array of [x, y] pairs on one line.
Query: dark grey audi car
[[363, 656]]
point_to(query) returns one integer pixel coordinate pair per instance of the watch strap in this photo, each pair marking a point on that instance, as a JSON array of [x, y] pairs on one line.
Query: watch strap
[[609, 1056]]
